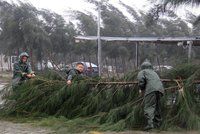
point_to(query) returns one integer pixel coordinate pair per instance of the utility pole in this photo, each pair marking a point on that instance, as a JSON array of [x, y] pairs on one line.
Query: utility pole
[[189, 50], [136, 55], [99, 39]]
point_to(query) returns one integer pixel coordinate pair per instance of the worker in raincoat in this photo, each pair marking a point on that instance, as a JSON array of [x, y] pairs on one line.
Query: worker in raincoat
[[152, 89], [22, 69]]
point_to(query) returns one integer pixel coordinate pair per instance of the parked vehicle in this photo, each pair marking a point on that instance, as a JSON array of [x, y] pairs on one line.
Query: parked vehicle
[[162, 68]]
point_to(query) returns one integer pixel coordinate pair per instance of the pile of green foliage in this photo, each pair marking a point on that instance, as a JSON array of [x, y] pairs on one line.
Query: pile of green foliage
[[115, 106]]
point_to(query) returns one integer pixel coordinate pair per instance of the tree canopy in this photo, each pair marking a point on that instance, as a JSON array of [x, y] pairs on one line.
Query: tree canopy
[[47, 35]]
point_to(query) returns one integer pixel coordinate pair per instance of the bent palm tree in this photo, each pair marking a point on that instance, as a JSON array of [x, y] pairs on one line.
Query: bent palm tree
[[181, 2], [176, 3]]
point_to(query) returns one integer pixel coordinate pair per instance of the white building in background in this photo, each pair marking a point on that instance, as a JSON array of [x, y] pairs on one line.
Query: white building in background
[[6, 62]]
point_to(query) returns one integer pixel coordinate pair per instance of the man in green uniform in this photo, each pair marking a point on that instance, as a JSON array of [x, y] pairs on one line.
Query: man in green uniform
[[22, 69], [78, 71], [152, 89]]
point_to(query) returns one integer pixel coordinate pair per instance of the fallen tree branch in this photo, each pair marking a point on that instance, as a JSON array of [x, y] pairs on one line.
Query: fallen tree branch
[[136, 82]]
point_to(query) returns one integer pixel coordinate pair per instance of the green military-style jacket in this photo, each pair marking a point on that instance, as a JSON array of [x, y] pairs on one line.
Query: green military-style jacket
[[149, 80], [20, 69]]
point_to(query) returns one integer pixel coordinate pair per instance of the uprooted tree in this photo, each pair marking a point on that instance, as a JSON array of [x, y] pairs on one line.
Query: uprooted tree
[[117, 105]]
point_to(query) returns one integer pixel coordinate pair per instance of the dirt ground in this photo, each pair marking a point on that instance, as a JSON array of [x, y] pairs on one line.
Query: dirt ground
[[24, 128], [17, 128]]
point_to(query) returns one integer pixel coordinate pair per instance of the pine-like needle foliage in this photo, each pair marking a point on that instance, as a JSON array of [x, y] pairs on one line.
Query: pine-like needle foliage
[[116, 107]]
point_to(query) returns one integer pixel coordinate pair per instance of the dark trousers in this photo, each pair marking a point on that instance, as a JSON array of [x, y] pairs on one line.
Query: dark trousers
[[152, 109]]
